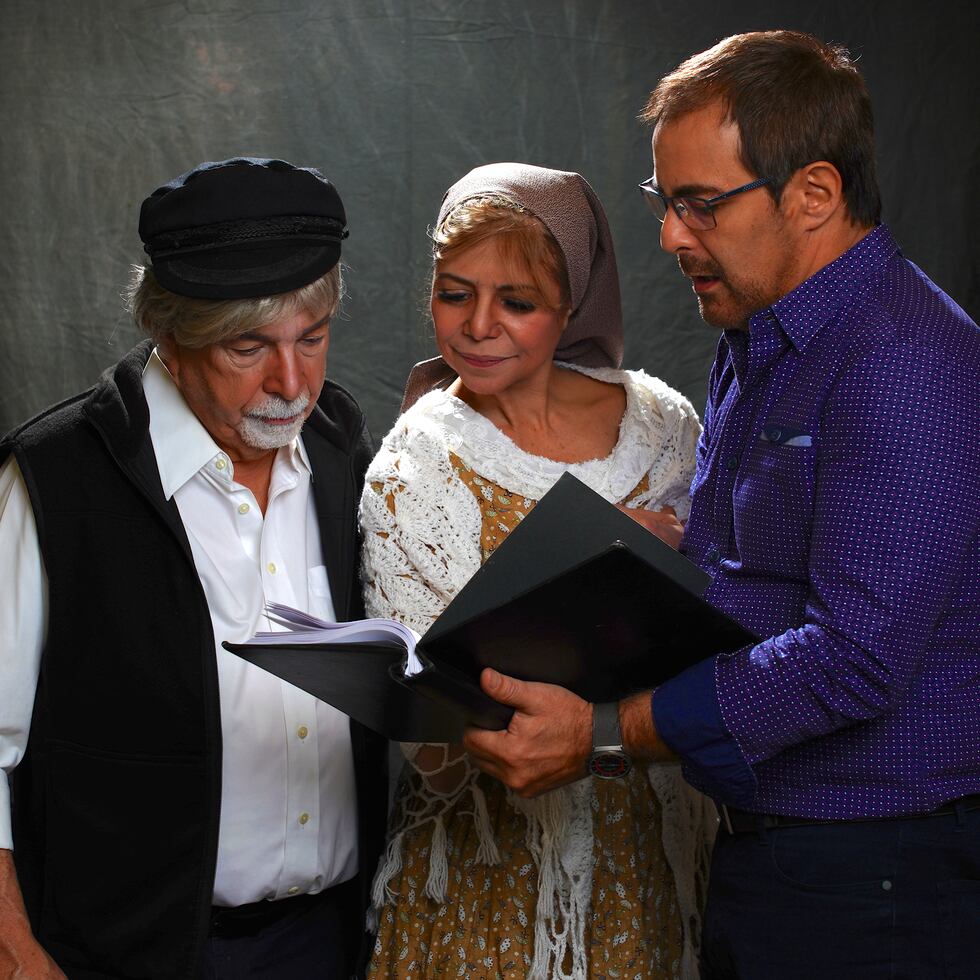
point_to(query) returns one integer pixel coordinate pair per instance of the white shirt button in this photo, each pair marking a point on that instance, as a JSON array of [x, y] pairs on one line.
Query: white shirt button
[[302, 731], [293, 890], [271, 568], [220, 463], [243, 508], [304, 818]]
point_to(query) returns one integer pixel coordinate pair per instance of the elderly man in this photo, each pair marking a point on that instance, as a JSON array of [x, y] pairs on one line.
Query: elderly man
[[836, 507], [176, 811]]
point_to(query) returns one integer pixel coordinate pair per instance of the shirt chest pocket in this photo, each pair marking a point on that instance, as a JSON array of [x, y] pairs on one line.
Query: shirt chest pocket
[[320, 599], [773, 502]]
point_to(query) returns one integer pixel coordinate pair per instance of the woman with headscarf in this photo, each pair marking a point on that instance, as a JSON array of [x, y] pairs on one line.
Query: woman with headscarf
[[602, 877]]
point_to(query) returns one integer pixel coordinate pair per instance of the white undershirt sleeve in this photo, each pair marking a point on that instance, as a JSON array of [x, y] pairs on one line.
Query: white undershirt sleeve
[[23, 616]]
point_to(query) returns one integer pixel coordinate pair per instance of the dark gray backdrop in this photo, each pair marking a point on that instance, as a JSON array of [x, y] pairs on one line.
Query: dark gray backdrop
[[102, 100]]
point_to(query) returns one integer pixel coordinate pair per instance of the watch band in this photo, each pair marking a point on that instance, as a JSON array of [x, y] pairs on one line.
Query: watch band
[[608, 759], [606, 734]]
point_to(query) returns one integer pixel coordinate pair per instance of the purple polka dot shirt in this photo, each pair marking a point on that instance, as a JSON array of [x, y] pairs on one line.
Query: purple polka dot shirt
[[836, 506]]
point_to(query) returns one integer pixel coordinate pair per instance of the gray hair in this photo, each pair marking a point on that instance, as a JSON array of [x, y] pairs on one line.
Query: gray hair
[[198, 323]]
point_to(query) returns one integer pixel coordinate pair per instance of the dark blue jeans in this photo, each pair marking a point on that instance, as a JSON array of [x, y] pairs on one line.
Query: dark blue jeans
[[875, 900]]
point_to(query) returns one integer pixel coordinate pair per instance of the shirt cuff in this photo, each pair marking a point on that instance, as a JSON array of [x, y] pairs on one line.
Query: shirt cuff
[[687, 716], [6, 832]]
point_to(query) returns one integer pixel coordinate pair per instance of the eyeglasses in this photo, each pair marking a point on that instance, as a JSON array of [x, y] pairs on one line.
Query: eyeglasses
[[697, 213]]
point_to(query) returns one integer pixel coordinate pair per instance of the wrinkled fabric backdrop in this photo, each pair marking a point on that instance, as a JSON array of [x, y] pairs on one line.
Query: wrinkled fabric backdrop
[[102, 100]]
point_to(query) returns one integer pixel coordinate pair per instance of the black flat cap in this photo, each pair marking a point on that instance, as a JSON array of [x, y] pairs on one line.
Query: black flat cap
[[243, 227]]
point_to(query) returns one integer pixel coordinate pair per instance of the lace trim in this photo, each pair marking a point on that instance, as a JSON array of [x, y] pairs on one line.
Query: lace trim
[[653, 428]]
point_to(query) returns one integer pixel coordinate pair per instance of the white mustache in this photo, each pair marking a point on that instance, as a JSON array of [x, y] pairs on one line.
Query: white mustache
[[276, 407]]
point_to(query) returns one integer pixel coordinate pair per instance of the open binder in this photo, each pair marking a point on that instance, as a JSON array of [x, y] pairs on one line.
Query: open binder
[[578, 594]]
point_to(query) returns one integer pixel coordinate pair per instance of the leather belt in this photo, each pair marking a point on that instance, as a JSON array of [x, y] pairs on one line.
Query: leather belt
[[737, 821], [233, 922]]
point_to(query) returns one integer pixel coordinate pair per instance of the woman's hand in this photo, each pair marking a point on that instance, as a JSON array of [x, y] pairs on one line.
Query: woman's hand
[[663, 523]]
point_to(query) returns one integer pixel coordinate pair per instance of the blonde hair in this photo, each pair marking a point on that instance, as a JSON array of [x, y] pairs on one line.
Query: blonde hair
[[198, 323], [524, 241]]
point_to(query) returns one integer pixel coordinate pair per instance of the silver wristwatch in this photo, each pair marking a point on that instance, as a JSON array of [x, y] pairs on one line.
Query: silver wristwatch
[[608, 759]]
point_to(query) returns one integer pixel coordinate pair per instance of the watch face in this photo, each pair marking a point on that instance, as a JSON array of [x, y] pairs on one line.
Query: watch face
[[609, 765]]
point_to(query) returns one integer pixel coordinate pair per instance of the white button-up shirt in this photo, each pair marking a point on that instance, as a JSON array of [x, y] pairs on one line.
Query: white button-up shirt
[[288, 807]]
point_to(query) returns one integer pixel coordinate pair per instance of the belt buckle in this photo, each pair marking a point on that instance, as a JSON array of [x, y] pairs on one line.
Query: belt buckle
[[726, 820]]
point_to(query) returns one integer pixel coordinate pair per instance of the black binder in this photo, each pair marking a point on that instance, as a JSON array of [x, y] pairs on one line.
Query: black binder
[[578, 594]]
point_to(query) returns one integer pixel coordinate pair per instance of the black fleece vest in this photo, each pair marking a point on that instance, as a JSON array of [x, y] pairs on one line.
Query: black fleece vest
[[116, 804]]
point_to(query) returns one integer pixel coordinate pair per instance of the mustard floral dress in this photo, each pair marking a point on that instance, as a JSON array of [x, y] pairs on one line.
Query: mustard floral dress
[[602, 878]]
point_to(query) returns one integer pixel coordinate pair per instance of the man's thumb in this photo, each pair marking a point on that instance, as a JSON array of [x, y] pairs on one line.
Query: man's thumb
[[500, 687]]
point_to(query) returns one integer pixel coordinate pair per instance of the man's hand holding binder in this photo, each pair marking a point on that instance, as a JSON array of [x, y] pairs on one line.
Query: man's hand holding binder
[[550, 738]]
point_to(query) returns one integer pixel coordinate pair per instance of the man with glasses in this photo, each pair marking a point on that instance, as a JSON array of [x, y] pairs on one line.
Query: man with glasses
[[836, 507]]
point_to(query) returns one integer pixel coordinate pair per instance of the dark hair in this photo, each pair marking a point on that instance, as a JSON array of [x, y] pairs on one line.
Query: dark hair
[[794, 99]]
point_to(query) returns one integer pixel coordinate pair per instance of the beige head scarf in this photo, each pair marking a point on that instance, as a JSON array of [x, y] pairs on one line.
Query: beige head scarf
[[570, 210]]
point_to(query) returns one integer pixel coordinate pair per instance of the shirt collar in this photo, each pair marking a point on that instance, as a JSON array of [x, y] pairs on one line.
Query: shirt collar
[[181, 443], [802, 312]]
